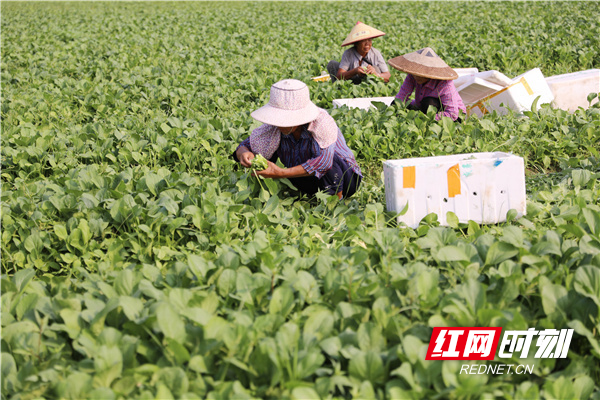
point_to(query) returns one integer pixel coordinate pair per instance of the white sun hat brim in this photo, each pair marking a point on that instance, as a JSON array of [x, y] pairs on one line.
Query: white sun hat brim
[[289, 105], [286, 118]]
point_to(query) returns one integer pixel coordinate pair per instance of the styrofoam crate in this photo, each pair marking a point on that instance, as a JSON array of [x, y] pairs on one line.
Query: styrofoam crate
[[571, 90], [362, 102], [493, 76], [496, 77], [475, 89], [481, 187], [465, 71], [518, 97]]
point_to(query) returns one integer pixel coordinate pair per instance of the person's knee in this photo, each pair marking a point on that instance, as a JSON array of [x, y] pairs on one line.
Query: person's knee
[[354, 182], [331, 181], [332, 68]]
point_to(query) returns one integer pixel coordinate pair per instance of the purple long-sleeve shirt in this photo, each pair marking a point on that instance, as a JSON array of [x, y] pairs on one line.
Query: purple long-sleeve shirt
[[443, 90]]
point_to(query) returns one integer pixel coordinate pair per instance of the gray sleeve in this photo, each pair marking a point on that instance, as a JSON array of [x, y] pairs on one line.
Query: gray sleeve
[[379, 61], [346, 63]]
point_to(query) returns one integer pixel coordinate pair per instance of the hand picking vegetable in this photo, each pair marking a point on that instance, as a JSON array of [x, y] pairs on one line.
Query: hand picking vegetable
[[259, 163]]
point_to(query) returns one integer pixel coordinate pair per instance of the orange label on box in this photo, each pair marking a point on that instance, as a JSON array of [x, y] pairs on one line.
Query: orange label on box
[[408, 177], [453, 180]]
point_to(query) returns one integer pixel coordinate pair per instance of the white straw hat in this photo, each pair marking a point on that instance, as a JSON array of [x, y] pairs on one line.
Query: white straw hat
[[289, 105], [360, 32], [424, 63]]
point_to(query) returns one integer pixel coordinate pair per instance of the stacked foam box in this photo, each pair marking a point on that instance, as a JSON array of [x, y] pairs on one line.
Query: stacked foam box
[[519, 96], [465, 71], [571, 90], [483, 92], [495, 77], [364, 103], [481, 187], [475, 87]]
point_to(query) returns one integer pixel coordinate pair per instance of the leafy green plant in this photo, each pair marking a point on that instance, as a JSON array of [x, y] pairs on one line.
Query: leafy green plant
[[140, 261], [259, 163]]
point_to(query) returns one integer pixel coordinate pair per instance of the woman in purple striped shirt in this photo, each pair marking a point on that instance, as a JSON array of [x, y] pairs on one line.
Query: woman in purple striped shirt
[[307, 141], [431, 80]]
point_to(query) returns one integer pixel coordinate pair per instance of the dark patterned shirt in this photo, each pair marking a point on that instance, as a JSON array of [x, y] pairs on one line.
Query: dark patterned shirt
[[305, 151]]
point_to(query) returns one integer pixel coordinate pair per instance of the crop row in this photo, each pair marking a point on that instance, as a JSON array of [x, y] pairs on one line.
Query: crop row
[[139, 261]]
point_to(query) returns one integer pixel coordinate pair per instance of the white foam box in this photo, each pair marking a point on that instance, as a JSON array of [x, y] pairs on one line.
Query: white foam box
[[362, 102], [571, 90], [519, 96], [465, 71], [493, 76], [475, 89], [481, 187]]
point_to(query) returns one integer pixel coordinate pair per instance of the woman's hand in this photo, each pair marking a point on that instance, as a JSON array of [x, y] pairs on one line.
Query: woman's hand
[[361, 70], [245, 157], [383, 75], [371, 70], [272, 171], [276, 172]]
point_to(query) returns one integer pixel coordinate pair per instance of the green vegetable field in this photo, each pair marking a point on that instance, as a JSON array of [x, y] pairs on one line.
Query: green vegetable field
[[139, 261]]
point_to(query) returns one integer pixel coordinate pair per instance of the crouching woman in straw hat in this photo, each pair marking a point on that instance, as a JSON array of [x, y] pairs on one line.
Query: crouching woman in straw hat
[[362, 59], [431, 80], [307, 141]]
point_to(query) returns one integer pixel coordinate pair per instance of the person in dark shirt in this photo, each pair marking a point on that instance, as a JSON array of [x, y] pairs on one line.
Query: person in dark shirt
[[305, 138]]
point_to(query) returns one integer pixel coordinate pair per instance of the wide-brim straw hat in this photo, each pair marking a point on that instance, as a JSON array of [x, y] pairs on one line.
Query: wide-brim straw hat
[[360, 32], [289, 105], [425, 63]]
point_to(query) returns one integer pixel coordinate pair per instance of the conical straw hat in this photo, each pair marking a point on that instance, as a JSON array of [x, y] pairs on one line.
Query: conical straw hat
[[424, 63], [360, 32]]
